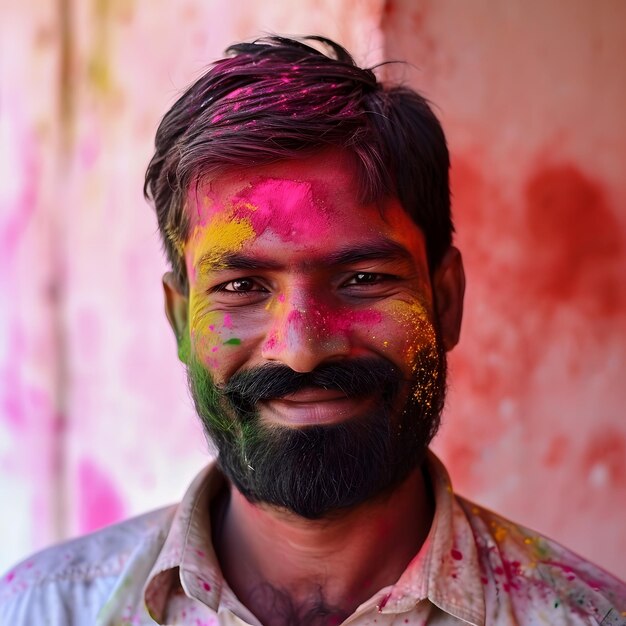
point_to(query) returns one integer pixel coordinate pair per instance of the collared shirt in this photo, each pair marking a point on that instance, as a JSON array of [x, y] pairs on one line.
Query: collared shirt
[[475, 567]]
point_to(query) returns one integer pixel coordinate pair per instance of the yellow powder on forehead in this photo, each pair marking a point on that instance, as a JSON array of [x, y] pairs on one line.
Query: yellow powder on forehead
[[222, 235]]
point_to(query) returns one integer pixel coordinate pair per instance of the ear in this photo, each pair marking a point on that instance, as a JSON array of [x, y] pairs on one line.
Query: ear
[[176, 310], [449, 289]]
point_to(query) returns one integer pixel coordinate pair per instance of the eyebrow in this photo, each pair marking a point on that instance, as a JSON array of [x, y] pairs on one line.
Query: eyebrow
[[374, 250], [378, 249], [212, 262]]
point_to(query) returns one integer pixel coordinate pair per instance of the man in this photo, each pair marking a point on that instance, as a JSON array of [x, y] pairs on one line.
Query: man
[[314, 293]]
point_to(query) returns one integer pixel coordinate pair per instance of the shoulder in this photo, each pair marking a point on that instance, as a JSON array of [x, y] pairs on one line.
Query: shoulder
[[526, 573], [68, 583]]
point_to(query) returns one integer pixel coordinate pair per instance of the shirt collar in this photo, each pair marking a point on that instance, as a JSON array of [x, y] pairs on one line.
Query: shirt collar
[[187, 558], [445, 571]]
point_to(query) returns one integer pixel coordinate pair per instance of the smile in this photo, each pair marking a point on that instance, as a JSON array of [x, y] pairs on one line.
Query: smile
[[312, 406]]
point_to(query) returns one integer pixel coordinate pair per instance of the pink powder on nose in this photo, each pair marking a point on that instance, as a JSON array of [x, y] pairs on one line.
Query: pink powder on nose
[[287, 207], [332, 322], [346, 320], [327, 323]]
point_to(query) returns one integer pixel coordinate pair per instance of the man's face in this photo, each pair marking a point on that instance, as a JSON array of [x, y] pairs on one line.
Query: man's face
[[310, 334]]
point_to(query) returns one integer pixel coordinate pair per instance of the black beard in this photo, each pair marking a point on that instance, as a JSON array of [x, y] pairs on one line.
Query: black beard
[[315, 470]]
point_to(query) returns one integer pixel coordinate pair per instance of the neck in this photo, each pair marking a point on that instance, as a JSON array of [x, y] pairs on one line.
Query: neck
[[283, 566]]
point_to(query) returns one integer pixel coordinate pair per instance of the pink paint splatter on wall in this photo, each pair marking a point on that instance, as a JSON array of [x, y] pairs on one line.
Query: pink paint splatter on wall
[[99, 501], [575, 241]]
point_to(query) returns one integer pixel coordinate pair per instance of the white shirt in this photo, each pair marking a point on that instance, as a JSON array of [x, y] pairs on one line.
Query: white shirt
[[474, 567]]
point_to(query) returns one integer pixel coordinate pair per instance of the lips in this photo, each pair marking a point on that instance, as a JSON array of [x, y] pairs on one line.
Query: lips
[[309, 407]]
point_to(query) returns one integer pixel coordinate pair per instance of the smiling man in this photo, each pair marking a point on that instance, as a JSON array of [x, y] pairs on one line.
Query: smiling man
[[314, 293]]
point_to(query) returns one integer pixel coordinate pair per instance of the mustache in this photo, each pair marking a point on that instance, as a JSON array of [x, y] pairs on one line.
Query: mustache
[[353, 377]]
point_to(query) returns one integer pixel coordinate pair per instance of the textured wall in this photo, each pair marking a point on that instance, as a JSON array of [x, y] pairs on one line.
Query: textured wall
[[95, 423], [532, 97]]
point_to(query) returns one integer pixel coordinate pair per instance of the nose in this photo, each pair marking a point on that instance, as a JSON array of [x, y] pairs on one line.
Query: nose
[[303, 337]]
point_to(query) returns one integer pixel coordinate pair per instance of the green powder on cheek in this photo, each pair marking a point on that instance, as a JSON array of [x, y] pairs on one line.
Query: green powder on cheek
[[213, 410], [184, 346]]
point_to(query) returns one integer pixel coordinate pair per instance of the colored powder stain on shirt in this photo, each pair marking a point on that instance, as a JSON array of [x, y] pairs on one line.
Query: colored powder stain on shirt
[[383, 602], [541, 549], [500, 534], [233, 341], [456, 555]]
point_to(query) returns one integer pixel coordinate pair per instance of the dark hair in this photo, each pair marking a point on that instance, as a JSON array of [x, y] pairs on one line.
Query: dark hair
[[277, 99]]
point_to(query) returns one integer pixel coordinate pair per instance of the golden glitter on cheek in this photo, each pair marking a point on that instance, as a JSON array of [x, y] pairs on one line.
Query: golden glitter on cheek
[[421, 353]]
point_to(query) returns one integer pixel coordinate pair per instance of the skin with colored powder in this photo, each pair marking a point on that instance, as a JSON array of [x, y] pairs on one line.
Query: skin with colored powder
[[306, 277]]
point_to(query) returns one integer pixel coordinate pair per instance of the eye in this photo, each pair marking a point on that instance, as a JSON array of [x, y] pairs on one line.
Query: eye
[[242, 286], [366, 278]]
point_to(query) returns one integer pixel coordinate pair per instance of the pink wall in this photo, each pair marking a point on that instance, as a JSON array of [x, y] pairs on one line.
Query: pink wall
[[95, 422], [532, 96]]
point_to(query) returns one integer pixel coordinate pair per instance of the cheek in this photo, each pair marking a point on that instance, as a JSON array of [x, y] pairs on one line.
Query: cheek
[[212, 334], [421, 355], [416, 334]]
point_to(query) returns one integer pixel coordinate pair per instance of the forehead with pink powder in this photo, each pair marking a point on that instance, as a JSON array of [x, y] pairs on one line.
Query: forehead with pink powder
[[294, 210]]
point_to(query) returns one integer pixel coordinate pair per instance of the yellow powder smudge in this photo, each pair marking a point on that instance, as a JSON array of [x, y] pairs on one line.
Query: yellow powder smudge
[[500, 533], [222, 235], [421, 353]]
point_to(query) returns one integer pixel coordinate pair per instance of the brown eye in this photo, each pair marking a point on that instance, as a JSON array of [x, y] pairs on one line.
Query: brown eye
[[364, 278], [240, 285]]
